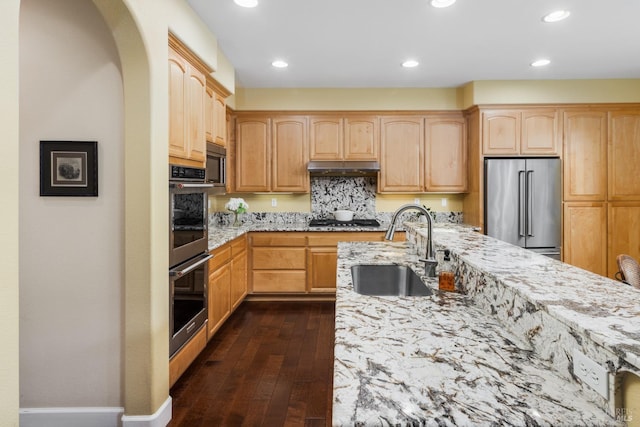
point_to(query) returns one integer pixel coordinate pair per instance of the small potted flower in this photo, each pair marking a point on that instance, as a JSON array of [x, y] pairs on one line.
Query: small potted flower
[[237, 206]]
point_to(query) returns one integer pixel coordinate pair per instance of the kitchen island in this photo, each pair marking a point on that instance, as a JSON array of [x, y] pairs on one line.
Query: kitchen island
[[453, 359]]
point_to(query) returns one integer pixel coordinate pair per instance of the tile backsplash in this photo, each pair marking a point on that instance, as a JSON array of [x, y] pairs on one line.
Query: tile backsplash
[[357, 194]]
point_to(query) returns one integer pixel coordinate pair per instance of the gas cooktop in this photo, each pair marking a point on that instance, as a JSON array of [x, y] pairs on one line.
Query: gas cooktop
[[335, 223]]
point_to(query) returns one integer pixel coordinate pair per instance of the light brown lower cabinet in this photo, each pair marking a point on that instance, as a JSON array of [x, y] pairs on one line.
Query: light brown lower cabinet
[[238, 271], [300, 263], [623, 232], [585, 236], [187, 354]]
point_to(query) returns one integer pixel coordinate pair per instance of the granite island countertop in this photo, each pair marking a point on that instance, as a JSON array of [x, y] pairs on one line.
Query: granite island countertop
[[438, 360]]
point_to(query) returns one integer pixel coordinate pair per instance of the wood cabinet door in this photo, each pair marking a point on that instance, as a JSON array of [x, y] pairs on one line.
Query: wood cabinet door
[[325, 138], [624, 155], [197, 142], [220, 120], [624, 232], [178, 69], [238, 278], [501, 132], [361, 137], [209, 121], [585, 155], [253, 154], [401, 155], [322, 269], [445, 155], [585, 236], [219, 297], [290, 154], [540, 132]]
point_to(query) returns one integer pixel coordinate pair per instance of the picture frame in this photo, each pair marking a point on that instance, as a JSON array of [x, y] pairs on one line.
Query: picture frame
[[69, 168]]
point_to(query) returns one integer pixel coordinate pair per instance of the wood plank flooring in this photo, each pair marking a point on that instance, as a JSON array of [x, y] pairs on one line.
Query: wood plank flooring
[[271, 364]]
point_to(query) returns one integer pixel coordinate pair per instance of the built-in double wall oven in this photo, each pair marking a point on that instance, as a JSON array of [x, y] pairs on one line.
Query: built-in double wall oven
[[188, 253]]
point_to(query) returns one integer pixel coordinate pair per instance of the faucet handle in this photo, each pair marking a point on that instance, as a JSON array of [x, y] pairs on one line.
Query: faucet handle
[[430, 265]]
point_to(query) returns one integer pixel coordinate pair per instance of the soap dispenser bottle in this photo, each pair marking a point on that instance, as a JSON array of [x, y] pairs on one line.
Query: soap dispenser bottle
[[446, 279]]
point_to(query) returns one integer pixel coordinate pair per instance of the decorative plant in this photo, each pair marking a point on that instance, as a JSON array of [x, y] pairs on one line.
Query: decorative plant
[[237, 205]]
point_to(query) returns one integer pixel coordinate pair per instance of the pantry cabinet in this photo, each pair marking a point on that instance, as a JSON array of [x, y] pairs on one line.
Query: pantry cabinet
[[624, 155], [344, 137], [187, 90], [271, 154], [515, 132], [585, 155], [585, 236], [623, 232]]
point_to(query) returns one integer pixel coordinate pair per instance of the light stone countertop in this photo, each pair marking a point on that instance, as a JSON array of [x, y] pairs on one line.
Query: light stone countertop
[[439, 360]]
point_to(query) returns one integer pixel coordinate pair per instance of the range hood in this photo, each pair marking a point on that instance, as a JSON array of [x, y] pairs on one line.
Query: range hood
[[343, 168]]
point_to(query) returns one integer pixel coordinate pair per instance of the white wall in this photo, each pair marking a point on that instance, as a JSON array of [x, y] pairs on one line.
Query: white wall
[[71, 249]]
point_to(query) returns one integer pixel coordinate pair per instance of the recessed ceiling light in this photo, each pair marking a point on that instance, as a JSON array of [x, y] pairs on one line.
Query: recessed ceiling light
[[280, 63], [540, 63], [246, 3], [556, 16], [410, 63], [442, 3]]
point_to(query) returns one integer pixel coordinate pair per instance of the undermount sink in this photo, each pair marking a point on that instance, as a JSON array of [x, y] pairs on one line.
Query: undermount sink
[[388, 279]]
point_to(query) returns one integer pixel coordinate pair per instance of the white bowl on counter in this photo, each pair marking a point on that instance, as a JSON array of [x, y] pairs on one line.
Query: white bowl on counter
[[343, 215]]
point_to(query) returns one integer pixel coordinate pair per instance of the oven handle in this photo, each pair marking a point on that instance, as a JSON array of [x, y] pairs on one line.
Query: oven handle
[[181, 185], [197, 263]]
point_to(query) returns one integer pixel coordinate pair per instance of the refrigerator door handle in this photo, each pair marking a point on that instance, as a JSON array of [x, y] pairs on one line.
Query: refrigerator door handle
[[529, 203], [521, 203]]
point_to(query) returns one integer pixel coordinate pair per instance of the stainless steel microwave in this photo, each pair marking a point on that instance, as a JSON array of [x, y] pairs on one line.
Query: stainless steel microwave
[[216, 168]]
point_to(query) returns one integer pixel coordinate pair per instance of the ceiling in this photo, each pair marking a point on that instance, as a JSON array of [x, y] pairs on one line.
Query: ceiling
[[362, 43]]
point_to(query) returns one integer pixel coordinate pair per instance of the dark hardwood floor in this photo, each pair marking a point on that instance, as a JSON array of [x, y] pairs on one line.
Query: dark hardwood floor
[[271, 364]]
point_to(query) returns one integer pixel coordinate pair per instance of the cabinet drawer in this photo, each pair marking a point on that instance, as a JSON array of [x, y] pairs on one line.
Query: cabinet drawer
[[278, 239], [332, 238], [238, 245], [221, 256], [279, 281], [278, 259]]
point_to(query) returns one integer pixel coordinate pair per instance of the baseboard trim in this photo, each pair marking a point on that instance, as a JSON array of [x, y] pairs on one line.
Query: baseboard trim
[[159, 419], [93, 417], [71, 417]]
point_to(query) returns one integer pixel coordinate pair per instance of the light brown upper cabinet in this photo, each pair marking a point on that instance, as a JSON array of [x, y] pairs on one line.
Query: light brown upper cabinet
[[521, 132], [215, 114], [253, 153], [290, 154], [624, 155], [271, 154], [187, 85], [445, 154], [343, 137], [421, 154], [401, 154], [585, 155]]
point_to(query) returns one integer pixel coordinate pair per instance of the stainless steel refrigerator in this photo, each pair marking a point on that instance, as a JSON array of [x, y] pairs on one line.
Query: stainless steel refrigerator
[[523, 203]]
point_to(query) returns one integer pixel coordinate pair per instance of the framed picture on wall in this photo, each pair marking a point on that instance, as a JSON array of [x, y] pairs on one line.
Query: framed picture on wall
[[69, 168]]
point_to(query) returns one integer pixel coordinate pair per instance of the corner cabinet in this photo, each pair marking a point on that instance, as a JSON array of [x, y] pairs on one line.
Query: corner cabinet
[[187, 92], [271, 154]]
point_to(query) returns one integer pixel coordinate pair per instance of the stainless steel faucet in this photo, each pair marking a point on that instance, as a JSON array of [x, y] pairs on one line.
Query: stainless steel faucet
[[430, 261]]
